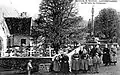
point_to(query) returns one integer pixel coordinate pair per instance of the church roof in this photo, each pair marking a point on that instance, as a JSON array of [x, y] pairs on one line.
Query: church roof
[[18, 25]]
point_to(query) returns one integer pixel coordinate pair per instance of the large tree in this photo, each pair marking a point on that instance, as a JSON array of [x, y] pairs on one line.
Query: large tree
[[78, 32], [106, 23], [55, 18]]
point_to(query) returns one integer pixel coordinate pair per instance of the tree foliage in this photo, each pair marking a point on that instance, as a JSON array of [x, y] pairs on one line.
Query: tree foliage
[[106, 23], [78, 31], [55, 18]]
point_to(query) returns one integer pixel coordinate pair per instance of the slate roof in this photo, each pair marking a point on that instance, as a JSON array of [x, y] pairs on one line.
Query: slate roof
[[18, 25]]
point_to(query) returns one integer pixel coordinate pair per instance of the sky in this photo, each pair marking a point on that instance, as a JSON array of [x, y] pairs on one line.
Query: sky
[[85, 9], [32, 7]]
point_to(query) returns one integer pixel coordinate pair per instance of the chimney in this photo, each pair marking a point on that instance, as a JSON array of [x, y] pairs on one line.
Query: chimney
[[23, 14]]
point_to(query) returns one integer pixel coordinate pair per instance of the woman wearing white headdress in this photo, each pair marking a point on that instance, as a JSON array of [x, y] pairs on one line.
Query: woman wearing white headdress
[[75, 62], [113, 54], [84, 61]]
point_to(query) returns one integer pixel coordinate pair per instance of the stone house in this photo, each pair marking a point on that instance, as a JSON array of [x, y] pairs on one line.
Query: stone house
[[19, 30]]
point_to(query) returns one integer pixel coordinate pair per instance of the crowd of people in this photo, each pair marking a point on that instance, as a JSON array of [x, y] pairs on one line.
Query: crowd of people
[[87, 60]]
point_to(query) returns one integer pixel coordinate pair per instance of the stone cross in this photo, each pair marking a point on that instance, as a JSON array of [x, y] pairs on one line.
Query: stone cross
[[50, 50]]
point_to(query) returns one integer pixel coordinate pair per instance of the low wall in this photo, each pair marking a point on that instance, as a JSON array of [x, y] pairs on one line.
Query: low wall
[[17, 63]]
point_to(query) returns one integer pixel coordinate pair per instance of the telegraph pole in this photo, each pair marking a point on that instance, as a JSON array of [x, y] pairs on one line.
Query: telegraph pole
[[93, 20]]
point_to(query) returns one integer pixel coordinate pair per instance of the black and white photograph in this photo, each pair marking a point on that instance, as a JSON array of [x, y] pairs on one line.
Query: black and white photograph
[[59, 37]]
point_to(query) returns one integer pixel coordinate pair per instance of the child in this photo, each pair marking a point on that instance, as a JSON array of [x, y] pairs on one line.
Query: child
[[90, 64], [96, 63]]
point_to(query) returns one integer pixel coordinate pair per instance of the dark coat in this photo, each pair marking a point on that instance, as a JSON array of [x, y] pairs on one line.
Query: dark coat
[[64, 64], [80, 52], [106, 55], [93, 52]]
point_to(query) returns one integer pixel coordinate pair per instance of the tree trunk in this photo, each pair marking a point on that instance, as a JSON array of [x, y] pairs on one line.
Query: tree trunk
[[56, 47]]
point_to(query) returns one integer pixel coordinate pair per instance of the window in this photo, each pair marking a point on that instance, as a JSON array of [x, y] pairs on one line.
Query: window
[[23, 41], [9, 42]]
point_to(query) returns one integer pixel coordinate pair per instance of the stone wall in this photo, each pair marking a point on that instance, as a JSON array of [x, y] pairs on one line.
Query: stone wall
[[17, 63]]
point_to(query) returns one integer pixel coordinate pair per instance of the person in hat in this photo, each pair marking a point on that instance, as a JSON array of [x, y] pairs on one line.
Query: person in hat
[[64, 63], [106, 55], [29, 67]]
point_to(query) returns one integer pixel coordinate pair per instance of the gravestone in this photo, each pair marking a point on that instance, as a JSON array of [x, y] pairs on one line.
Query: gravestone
[[44, 67]]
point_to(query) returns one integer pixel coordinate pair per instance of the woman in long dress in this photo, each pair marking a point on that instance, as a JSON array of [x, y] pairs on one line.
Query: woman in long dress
[[96, 63], [84, 61], [106, 56], [64, 63], [80, 60], [113, 55], [75, 63], [56, 64]]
